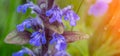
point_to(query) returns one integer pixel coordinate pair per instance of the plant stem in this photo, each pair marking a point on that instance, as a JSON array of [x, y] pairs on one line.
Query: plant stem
[[45, 46], [50, 4], [47, 31]]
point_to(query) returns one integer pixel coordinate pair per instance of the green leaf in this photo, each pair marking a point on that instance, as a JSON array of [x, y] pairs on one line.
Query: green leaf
[[18, 38]]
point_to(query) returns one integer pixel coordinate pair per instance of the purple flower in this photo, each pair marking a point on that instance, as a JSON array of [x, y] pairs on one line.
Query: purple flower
[[53, 40], [23, 51], [38, 38], [98, 9], [70, 15], [61, 53], [56, 14], [60, 41], [32, 22], [25, 24], [23, 8]]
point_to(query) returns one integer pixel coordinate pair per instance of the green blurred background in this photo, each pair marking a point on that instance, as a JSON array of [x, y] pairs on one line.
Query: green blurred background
[[9, 18]]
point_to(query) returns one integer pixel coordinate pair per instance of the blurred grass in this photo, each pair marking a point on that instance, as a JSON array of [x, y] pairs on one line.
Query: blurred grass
[[78, 48], [9, 18]]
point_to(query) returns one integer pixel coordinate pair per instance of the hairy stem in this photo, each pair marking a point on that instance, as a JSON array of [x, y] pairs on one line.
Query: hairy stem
[[45, 46], [43, 17], [50, 4]]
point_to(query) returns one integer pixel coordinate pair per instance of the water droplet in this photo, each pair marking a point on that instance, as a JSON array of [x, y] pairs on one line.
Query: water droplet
[[105, 28]]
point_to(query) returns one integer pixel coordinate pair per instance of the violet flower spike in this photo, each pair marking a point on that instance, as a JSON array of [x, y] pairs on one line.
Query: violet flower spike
[[56, 14], [70, 15], [23, 51], [98, 9], [37, 38]]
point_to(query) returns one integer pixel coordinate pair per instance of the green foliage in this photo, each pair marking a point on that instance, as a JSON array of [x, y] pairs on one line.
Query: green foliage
[[78, 48], [9, 18]]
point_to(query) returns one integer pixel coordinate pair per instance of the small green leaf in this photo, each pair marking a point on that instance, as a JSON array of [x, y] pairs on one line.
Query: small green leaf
[[16, 37], [72, 36]]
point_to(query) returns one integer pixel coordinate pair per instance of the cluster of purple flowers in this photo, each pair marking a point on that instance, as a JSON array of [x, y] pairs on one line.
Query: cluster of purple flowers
[[67, 12], [38, 37], [60, 44]]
